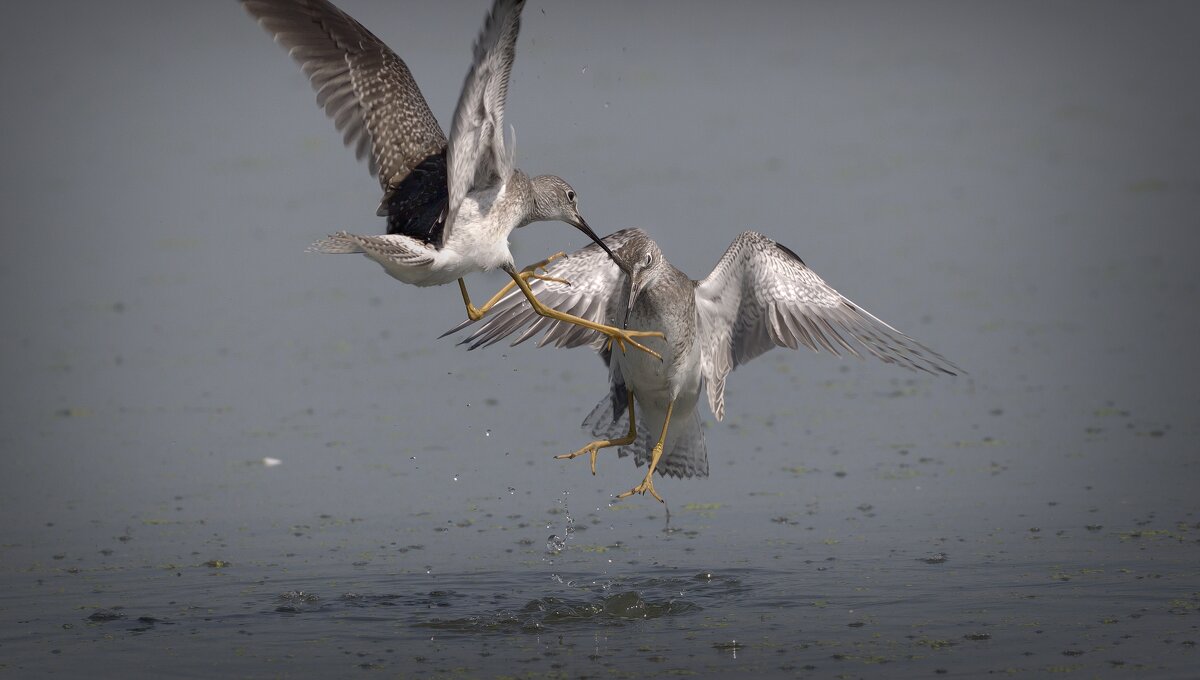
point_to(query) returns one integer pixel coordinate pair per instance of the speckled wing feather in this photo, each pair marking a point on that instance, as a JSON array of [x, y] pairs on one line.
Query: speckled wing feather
[[761, 295], [477, 156], [396, 248], [363, 86], [596, 283]]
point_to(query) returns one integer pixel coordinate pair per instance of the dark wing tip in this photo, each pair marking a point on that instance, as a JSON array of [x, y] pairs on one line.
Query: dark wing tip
[[456, 329], [789, 252]]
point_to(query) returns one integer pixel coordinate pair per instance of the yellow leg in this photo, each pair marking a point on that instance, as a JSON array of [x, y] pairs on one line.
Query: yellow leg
[[618, 335], [648, 483], [594, 447], [476, 313]]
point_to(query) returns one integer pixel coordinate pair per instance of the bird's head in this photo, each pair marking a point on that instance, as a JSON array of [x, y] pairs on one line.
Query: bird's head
[[643, 262], [554, 199]]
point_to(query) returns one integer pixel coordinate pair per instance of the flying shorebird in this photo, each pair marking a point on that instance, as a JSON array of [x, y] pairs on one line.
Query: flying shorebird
[[760, 295], [450, 206]]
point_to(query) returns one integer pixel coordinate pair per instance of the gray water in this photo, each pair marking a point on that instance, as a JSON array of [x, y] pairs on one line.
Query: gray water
[[1014, 184]]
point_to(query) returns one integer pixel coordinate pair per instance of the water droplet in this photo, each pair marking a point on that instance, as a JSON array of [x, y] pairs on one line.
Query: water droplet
[[583, 70], [606, 105], [511, 490], [456, 478], [487, 433], [555, 543], [412, 457]]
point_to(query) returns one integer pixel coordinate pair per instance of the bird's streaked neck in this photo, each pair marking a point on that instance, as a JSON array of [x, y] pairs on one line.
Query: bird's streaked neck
[[519, 184]]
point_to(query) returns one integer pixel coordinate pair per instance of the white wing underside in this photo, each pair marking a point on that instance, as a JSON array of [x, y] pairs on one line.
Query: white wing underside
[[477, 156], [761, 295]]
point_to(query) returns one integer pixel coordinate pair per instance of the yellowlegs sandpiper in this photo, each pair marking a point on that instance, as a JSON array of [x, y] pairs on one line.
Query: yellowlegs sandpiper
[[760, 295], [450, 206]]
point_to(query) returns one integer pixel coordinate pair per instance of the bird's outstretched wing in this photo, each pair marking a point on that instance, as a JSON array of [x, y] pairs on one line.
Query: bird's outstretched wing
[[363, 86], [595, 285], [762, 295], [477, 155]]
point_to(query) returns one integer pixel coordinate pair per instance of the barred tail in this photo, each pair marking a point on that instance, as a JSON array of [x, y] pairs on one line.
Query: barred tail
[[339, 243], [685, 453]]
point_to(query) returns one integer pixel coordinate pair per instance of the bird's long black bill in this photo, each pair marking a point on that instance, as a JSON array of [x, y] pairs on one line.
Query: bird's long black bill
[[582, 225], [634, 292]]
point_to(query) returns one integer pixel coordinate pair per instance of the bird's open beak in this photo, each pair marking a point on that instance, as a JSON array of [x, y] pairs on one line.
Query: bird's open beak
[[582, 225]]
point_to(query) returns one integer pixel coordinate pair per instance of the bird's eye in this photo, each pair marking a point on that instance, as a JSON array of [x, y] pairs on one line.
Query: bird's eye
[[649, 258], [570, 195]]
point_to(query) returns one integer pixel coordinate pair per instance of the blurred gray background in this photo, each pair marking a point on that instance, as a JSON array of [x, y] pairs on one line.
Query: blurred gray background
[[1014, 184]]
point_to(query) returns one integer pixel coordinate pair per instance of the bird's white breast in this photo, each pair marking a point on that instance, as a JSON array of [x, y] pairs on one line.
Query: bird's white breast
[[656, 383], [479, 236], [477, 241]]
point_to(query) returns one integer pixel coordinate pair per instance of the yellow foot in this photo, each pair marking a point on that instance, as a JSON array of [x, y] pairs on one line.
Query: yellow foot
[[621, 337], [593, 448], [646, 485], [555, 279], [542, 265]]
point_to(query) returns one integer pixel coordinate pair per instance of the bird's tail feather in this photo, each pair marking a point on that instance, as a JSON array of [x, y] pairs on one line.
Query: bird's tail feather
[[339, 243], [685, 453], [610, 418]]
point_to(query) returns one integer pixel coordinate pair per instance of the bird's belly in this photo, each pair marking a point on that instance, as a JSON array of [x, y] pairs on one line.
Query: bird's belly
[[647, 381], [646, 376], [449, 264], [656, 383], [424, 274], [415, 276], [477, 246], [688, 378]]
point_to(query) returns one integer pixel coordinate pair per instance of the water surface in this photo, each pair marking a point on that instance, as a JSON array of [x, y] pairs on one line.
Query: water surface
[[1013, 185]]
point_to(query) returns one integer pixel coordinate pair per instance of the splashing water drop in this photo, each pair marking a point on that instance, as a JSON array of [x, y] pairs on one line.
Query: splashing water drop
[[555, 543], [487, 433]]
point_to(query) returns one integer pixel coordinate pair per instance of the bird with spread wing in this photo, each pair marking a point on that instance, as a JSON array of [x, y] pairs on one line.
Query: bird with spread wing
[[759, 296], [450, 204]]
